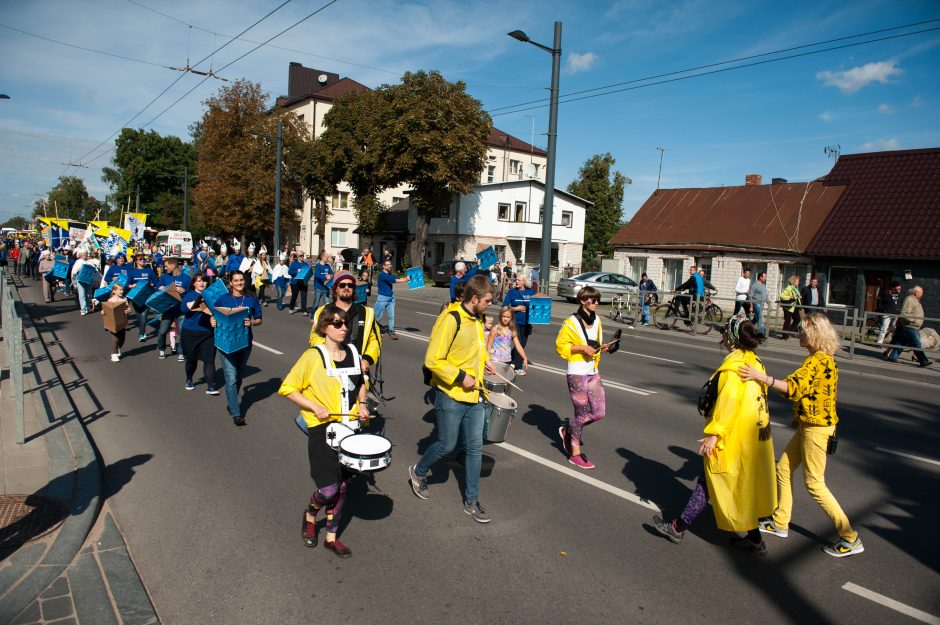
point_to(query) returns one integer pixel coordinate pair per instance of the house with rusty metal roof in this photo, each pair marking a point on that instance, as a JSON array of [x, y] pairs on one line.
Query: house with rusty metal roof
[[724, 230], [885, 227]]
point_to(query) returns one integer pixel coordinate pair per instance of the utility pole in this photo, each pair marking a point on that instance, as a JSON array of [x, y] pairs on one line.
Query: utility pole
[[277, 190], [186, 198], [137, 207], [661, 152]]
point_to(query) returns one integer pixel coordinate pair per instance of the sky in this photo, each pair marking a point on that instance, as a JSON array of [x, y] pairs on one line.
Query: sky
[[774, 119]]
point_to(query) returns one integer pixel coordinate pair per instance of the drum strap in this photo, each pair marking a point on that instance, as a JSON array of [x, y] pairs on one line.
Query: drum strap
[[343, 374]]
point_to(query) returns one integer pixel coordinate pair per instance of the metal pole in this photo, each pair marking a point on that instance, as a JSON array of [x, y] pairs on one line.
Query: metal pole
[[277, 190], [546, 260], [186, 198]]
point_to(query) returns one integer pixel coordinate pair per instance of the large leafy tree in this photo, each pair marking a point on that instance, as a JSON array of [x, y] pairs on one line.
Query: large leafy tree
[[154, 165], [69, 199], [236, 157], [19, 222], [597, 183], [425, 132]]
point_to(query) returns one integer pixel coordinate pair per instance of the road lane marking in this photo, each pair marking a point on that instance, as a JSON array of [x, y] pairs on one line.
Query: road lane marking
[[888, 602], [777, 425], [678, 362], [604, 486], [413, 336], [266, 348], [418, 312], [906, 455]]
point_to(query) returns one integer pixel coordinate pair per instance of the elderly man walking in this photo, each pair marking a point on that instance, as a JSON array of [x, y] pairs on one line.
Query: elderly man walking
[[908, 327]]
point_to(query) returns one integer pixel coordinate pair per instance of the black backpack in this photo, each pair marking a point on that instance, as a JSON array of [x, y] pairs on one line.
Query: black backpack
[[427, 372], [706, 401]]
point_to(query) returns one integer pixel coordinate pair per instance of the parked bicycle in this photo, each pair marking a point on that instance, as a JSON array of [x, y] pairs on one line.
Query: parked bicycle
[[623, 309]]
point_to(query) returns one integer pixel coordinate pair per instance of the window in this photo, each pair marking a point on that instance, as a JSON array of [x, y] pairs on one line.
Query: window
[[500, 252], [396, 199], [566, 217], [842, 285], [786, 271], [672, 273], [756, 270], [439, 251], [490, 173], [706, 264], [520, 211], [340, 199], [514, 166], [637, 267], [503, 212], [338, 237]]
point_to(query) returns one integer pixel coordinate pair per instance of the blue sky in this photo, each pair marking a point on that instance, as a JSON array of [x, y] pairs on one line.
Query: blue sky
[[774, 119]]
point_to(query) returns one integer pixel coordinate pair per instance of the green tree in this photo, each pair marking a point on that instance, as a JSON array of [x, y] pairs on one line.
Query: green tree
[[425, 132], [236, 157], [598, 184], [69, 199], [19, 222]]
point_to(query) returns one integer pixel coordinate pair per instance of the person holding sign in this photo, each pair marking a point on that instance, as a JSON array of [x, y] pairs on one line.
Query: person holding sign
[[140, 272], [118, 332], [234, 363], [197, 342], [328, 386], [385, 303], [172, 278]]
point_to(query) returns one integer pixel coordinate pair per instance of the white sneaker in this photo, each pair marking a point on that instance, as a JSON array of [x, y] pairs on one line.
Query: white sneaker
[[115, 358]]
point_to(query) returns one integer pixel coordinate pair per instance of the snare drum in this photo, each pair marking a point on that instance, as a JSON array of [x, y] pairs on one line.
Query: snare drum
[[337, 432], [365, 453], [494, 383], [500, 411]]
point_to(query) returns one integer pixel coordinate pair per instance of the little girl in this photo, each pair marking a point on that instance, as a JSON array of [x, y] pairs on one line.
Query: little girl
[[502, 339], [487, 325], [117, 338]]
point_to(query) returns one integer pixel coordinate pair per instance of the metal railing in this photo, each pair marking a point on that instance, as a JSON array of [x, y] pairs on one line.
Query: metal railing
[[869, 323], [12, 321]]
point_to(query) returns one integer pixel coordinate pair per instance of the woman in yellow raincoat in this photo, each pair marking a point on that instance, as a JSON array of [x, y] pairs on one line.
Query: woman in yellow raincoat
[[738, 449]]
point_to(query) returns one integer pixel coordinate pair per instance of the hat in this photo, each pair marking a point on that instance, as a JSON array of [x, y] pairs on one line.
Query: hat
[[263, 250], [343, 276], [251, 247], [282, 256], [236, 245], [223, 249]]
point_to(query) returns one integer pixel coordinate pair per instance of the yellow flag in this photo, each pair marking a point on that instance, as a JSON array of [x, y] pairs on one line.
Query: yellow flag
[[100, 228], [121, 232]]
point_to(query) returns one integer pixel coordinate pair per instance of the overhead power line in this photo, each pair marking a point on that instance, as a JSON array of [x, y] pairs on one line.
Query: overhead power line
[[86, 49], [543, 102]]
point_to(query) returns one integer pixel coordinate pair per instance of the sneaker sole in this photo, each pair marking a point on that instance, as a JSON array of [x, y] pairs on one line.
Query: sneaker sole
[[837, 554], [190, 388], [475, 518], [656, 523]]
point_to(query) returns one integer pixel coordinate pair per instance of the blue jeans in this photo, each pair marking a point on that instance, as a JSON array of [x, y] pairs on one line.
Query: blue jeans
[[233, 368], [281, 290], [759, 317], [906, 335], [84, 296], [165, 323], [320, 297], [455, 418], [142, 313], [386, 303]]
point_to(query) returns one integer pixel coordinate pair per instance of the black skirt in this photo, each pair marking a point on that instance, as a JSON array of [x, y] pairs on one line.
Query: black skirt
[[198, 345], [325, 468]]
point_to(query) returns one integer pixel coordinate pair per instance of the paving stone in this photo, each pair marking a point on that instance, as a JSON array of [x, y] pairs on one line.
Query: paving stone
[[29, 615], [92, 603], [65, 621], [131, 599], [110, 537], [58, 588], [28, 554], [60, 607]]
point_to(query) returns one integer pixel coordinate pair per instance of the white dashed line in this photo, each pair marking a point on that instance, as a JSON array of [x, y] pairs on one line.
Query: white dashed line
[[888, 602], [906, 455], [678, 362], [266, 348]]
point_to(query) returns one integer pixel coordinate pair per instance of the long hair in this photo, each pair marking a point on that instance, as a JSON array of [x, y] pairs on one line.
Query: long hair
[[512, 318], [820, 335]]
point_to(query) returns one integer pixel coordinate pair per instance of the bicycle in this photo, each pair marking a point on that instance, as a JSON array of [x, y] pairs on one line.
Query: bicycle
[[712, 312], [622, 307], [667, 314]]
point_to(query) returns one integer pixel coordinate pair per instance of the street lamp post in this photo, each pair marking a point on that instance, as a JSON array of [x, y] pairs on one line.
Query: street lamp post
[[555, 51]]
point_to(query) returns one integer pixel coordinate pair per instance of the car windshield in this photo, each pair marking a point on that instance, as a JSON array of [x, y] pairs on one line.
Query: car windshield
[[590, 275]]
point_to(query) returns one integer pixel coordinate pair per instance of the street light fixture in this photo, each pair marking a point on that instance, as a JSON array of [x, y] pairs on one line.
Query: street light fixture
[[555, 51]]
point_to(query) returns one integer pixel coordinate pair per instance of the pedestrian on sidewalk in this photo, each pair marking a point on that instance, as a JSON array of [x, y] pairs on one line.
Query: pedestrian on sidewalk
[[790, 303], [579, 341], [741, 290], [327, 385], [813, 389], [235, 363], [738, 450], [198, 340], [118, 335], [760, 298], [889, 304], [648, 296], [385, 302], [46, 264], [456, 361], [908, 327]]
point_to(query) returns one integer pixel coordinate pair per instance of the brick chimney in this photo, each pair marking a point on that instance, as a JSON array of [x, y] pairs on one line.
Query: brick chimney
[[752, 179]]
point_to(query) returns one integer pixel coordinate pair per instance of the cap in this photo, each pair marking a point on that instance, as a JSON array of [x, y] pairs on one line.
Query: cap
[[343, 276]]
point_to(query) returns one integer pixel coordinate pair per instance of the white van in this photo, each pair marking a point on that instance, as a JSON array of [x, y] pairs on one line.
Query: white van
[[175, 243]]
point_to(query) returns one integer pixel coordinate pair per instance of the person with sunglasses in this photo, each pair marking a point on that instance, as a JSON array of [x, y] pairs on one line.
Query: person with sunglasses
[[580, 342], [234, 364], [327, 384], [363, 331], [141, 272]]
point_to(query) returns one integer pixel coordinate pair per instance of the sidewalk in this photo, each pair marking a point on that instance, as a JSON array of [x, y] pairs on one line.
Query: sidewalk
[[64, 559]]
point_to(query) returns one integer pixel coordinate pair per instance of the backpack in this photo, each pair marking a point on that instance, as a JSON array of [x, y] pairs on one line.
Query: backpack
[[427, 372], [706, 401]]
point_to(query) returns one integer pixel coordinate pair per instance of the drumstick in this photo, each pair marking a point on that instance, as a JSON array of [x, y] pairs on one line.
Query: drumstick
[[508, 382], [611, 343]]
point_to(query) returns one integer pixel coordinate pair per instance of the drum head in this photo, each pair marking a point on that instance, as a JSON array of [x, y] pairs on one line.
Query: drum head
[[365, 445], [503, 402]]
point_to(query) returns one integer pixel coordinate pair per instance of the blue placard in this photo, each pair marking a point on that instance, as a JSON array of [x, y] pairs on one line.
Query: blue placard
[[60, 270], [121, 279], [540, 311], [140, 292], [303, 275], [59, 258], [161, 301], [153, 321], [362, 294], [88, 275], [415, 277], [231, 334], [214, 292], [487, 258], [103, 294]]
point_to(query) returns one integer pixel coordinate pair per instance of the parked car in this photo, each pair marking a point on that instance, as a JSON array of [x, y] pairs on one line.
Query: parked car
[[607, 283], [445, 270]]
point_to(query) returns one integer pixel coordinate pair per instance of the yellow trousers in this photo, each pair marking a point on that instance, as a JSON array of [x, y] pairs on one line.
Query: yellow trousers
[[808, 446]]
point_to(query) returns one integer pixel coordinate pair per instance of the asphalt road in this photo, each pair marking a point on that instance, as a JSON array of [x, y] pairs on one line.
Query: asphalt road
[[211, 513]]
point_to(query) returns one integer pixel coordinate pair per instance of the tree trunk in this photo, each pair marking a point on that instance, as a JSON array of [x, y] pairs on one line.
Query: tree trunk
[[416, 251]]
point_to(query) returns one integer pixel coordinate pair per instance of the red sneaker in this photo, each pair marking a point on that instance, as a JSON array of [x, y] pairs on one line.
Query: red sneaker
[[581, 461], [338, 548]]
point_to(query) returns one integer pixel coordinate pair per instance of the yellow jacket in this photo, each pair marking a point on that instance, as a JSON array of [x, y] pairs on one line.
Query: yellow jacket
[[309, 377], [740, 474], [453, 354], [571, 334], [812, 388], [369, 341]]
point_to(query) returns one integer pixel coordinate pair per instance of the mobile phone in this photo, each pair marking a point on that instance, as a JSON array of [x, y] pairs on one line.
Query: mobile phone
[[832, 445]]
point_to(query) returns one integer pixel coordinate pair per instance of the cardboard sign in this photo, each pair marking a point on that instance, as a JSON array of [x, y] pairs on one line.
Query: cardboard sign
[[415, 278], [362, 293], [214, 292], [115, 316], [162, 301], [231, 334], [60, 270], [540, 310], [103, 293], [487, 258], [88, 275], [121, 279], [140, 292], [303, 275]]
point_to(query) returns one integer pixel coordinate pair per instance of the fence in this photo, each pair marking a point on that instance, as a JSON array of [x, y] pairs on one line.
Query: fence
[[12, 320]]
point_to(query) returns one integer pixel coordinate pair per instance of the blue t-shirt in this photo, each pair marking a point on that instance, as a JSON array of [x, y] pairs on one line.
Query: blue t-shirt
[[195, 320], [182, 281], [514, 298], [136, 275], [158, 260], [114, 271], [387, 284], [322, 274], [454, 281], [296, 266], [249, 301]]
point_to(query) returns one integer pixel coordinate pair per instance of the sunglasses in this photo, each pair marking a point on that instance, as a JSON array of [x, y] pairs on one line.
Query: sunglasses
[[345, 285], [338, 323], [591, 300]]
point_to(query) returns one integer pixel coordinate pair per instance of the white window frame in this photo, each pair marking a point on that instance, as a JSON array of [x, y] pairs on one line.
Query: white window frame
[[490, 173], [829, 283], [570, 216], [499, 211], [334, 240], [340, 200]]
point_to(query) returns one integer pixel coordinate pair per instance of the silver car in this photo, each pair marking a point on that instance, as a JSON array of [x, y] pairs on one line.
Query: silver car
[[607, 283]]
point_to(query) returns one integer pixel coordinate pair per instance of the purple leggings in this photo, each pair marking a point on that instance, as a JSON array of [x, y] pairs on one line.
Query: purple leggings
[[587, 396], [697, 502], [332, 497]]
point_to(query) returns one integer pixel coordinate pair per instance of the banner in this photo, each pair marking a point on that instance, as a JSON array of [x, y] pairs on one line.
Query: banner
[[121, 232], [100, 228], [135, 222], [231, 334]]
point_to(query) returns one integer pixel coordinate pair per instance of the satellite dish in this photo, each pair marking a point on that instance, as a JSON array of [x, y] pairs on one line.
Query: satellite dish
[[530, 170], [322, 78]]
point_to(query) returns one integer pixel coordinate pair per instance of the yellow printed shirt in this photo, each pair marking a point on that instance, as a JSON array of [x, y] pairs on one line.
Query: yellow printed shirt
[[368, 336], [309, 377], [812, 389], [454, 353]]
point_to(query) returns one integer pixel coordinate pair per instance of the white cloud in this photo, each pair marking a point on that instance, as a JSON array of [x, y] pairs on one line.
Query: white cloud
[[851, 80], [826, 116], [580, 62], [880, 145], [918, 101], [885, 108]]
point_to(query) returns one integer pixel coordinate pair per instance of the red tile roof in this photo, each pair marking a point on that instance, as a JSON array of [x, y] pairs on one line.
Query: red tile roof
[[502, 140], [756, 218], [890, 208]]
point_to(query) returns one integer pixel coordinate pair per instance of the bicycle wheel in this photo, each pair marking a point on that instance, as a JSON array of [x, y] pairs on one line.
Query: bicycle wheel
[[713, 314], [616, 308], [664, 317]]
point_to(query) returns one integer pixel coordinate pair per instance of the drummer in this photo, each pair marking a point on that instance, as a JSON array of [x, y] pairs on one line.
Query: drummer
[[325, 389]]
